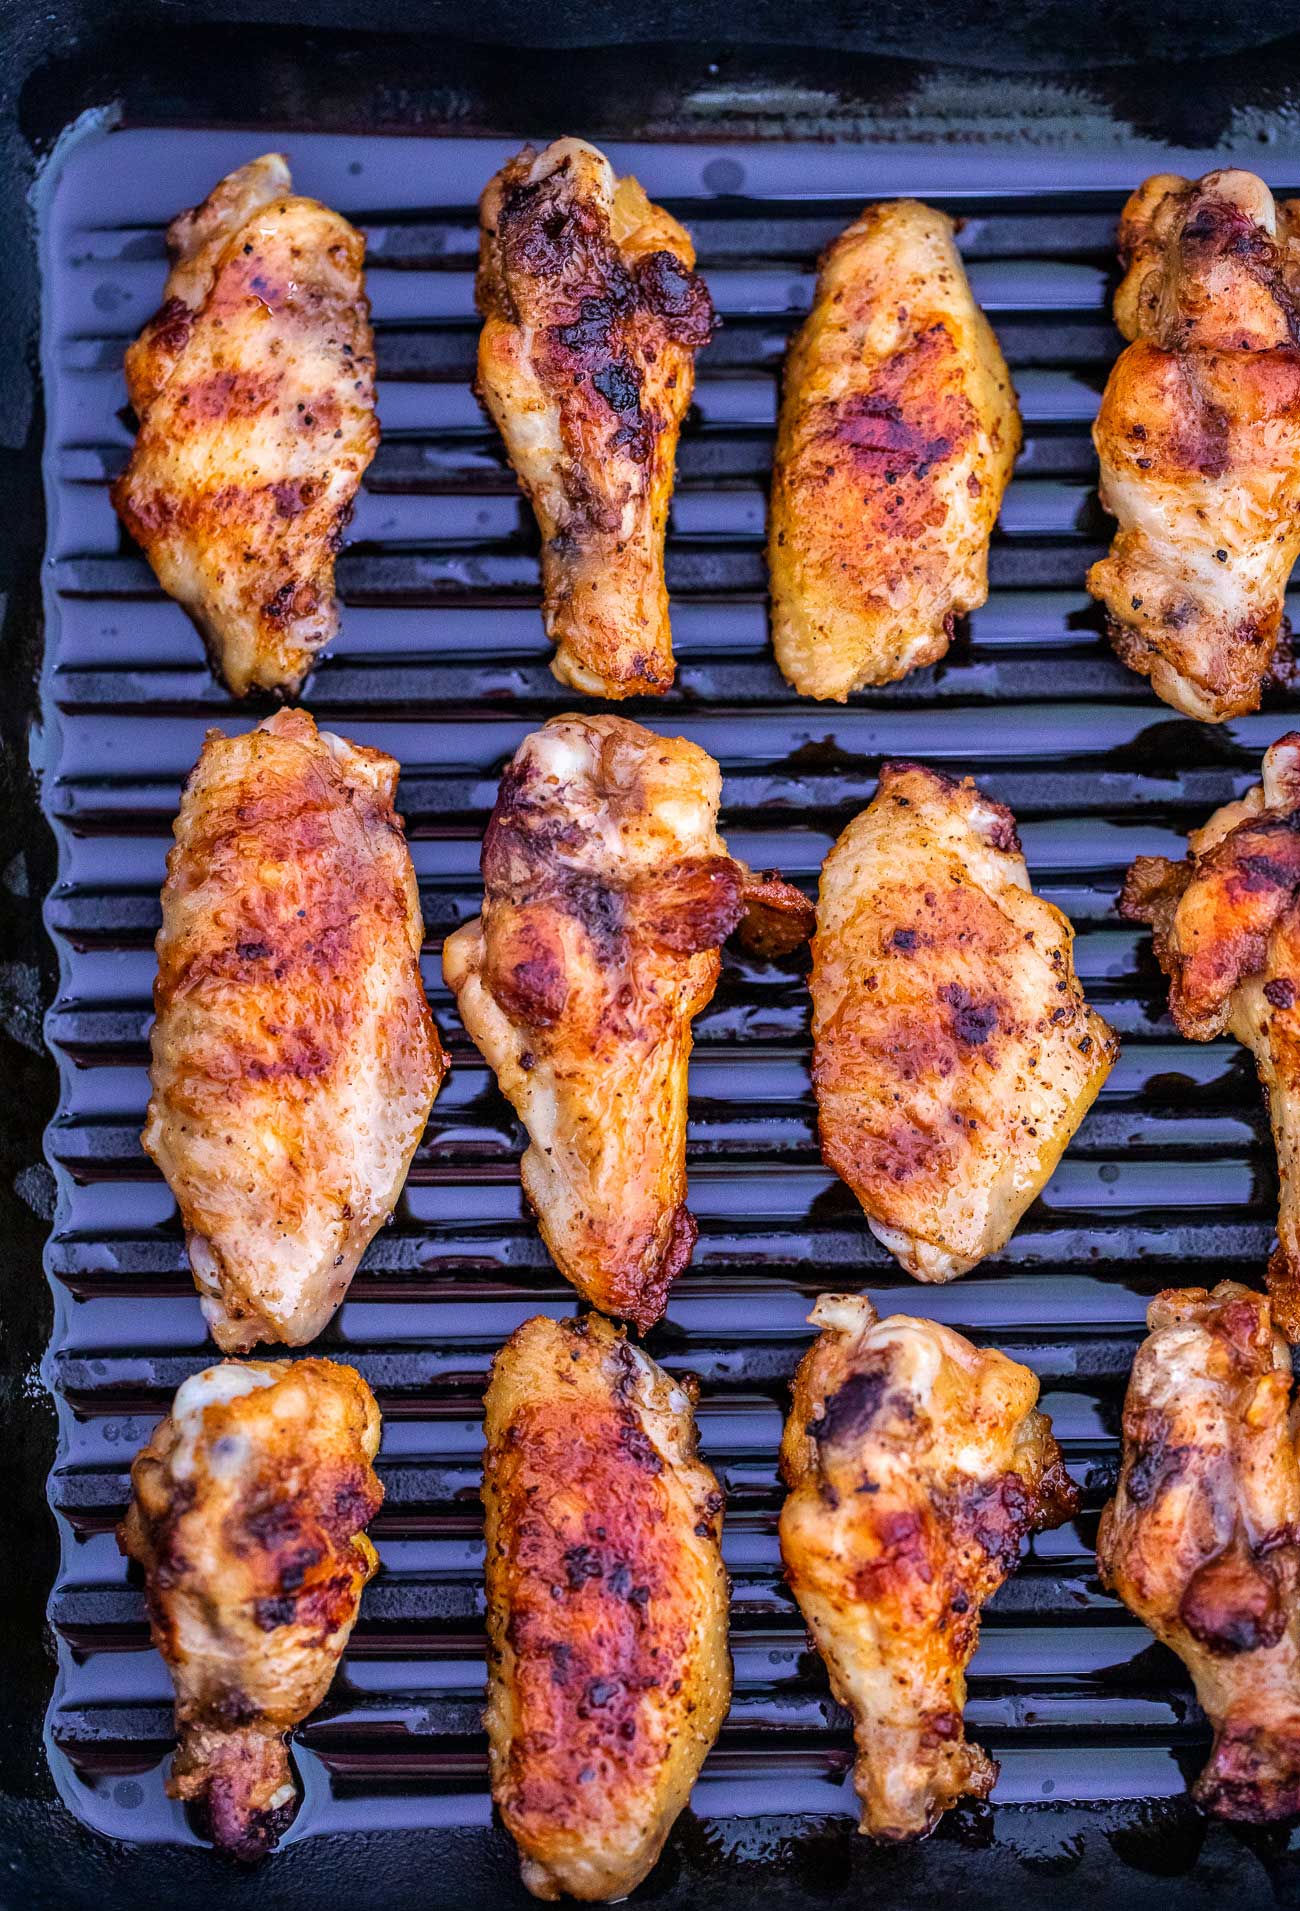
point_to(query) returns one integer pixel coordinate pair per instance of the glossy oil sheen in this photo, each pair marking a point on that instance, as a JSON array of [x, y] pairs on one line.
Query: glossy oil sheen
[[442, 661]]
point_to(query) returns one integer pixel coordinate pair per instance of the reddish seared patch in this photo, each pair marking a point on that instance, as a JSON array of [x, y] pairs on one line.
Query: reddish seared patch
[[595, 1618]]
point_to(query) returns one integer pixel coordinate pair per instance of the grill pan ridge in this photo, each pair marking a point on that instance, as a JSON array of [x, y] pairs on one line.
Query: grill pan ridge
[[442, 661]]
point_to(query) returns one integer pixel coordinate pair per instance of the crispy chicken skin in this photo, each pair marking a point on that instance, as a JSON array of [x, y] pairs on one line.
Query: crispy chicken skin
[[248, 1509], [1202, 1539], [608, 1671], [1227, 934], [592, 316], [1199, 439], [608, 894], [916, 1465], [897, 435], [254, 387], [953, 1052], [294, 1057]]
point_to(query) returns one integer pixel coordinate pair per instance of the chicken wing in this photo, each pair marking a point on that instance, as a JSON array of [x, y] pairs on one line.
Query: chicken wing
[[608, 1672], [897, 435], [916, 1465], [953, 1052], [1199, 439], [592, 316], [254, 388], [1227, 934], [1202, 1539], [248, 1509], [294, 1057], [608, 893]]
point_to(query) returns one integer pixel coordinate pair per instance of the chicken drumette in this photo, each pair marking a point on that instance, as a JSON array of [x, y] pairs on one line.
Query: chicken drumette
[[247, 1513], [254, 387], [608, 1673], [897, 435], [916, 1465], [1199, 439], [294, 1057], [1202, 1540], [608, 894], [1227, 934], [592, 316], [953, 1052]]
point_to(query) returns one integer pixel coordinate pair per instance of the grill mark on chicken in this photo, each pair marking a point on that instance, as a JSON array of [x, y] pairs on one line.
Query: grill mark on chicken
[[1204, 1549]]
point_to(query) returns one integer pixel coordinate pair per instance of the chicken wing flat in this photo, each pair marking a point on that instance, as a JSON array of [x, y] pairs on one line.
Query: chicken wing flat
[[1202, 1539], [592, 316], [608, 1671], [897, 435], [953, 1052], [1199, 439], [916, 1465], [294, 1057], [248, 1509], [1227, 934], [254, 387], [608, 894]]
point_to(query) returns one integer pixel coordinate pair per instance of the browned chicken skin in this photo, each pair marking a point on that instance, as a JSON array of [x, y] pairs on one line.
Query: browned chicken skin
[[916, 1465], [897, 436], [1227, 934], [608, 894], [254, 387], [607, 1605], [592, 316], [1199, 439], [953, 1052], [294, 1059], [247, 1513], [1202, 1540]]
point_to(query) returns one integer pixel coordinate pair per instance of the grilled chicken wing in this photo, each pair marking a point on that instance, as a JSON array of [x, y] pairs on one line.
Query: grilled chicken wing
[[1199, 439], [294, 1057], [248, 1509], [608, 1673], [592, 316], [1202, 1540], [254, 387], [608, 893], [897, 435], [953, 1052], [1227, 934], [916, 1465]]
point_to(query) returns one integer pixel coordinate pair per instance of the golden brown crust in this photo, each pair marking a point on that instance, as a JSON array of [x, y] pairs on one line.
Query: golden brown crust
[[247, 1515], [607, 896], [1199, 440], [254, 388], [917, 1465], [592, 319], [1226, 925], [897, 436], [1202, 1540], [607, 1605], [953, 1052], [294, 1058]]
